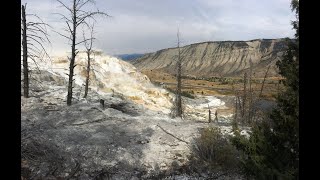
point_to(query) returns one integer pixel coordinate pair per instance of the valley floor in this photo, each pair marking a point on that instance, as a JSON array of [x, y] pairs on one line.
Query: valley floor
[[219, 86]]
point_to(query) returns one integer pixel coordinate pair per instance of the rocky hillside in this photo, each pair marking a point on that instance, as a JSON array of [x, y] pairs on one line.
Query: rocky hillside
[[220, 58], [128, 57], [131, 137], [113, 76]]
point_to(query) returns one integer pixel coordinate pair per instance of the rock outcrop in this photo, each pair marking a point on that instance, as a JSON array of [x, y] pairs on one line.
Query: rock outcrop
[[220, 58]]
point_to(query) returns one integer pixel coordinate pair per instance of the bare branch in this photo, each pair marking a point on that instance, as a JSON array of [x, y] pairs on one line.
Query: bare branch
[[65, 6], [40, 83], [86, 24], [35, 23], [40, 37], [172, 134], [36, 36], [37, 30], [63, 17], [35, 51], [63, 35], [44, 50], [84, 40], [35, 62], [90, 14], [84, 3], [40, 20], [37, 41], [69, 27]]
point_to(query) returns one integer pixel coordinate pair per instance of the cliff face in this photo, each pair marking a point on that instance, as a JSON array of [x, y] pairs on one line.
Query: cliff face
[[221, 58]]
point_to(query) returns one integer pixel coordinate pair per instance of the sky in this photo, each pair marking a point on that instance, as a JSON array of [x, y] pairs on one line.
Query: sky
[[143, 26]]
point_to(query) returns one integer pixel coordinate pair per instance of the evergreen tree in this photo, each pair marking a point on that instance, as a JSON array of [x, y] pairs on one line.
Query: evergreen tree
[[272, 151]]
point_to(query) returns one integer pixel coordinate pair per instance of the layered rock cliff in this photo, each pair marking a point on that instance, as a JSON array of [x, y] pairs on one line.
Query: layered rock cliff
[[220, 58]]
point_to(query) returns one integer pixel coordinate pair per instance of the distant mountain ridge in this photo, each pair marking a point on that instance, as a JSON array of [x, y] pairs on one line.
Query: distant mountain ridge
[[218, 58], [129, 57]]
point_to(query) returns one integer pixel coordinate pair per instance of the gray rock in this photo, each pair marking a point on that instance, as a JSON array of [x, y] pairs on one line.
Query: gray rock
[[221, 58]]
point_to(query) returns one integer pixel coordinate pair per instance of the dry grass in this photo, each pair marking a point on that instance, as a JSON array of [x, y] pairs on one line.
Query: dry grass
[[152, 92], [61, 60], [206, 87], [134, 98]]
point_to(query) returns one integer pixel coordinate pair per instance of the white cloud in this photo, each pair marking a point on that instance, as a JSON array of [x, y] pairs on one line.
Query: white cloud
[[149, 25]]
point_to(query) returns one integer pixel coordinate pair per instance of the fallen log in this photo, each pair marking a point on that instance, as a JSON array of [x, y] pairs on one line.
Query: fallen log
[[172, 135]]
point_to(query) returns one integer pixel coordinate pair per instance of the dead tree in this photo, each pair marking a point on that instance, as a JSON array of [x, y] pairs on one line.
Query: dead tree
[[264, 80], [244, 98], [78, 16], [245, 103], [178, 91], [216, 116], [209, 114], [251, 97], [25, 55], [253, 108], [34, 35], [88, 46]]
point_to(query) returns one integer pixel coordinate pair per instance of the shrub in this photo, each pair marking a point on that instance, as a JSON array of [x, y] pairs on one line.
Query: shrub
[[212, 151], [187, 94]]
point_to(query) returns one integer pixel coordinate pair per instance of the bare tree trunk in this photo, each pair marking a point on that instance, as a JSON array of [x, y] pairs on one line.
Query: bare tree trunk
[[88, 47], [209, 114], [236, 109], [88, 76], [25, 55], [236, 106], [264, 79], [244, 98], [250, 105], [73, 56], [260, 94], [178, 95]]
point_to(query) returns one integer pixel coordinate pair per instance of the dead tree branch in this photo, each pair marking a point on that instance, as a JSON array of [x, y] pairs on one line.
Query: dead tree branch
[[172, 134]]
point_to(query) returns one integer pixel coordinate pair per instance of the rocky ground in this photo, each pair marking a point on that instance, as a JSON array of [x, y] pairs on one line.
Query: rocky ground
[[123, 140], [126, 139]]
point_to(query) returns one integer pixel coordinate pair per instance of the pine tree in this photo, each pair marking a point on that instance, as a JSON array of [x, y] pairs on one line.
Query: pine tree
[[272, 151]]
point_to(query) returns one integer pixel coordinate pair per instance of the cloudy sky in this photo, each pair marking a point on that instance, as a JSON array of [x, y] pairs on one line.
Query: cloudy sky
[[140, 26]]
